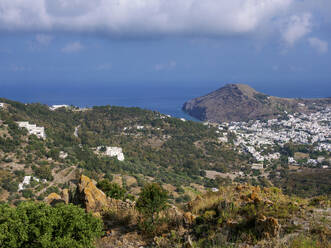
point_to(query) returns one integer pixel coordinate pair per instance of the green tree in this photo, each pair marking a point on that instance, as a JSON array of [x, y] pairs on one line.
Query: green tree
[[112, 190], [33, 225], [44, 172], [152, 199]]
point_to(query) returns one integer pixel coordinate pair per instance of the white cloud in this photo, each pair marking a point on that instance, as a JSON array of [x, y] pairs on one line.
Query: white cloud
[[166, 66], [72, 47], [296, 28], [44, 39], [320, 45], [141, 17]]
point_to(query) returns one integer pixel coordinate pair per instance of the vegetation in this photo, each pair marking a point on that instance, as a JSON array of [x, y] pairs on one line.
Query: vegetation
[[112, 190], [38, 225], [152, 199]]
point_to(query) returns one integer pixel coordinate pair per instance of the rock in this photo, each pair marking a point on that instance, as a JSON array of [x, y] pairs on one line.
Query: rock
[[53, 199], [89, 196], [65, 196]]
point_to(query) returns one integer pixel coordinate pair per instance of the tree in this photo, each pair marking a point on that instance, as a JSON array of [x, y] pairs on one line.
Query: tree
[[152, 199], [44, 172], [112, 190], [39, 225]]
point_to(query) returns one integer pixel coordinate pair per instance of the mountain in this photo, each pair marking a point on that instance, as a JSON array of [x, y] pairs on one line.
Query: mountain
[[240, 102]]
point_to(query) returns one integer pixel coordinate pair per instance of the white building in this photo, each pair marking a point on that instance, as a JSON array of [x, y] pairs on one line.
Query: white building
[[54, 107], [33, 129], [27, 181], [113, 152], [63, 155], [2, 105]]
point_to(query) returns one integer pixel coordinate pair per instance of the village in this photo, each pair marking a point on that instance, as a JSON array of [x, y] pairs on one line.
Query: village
[[254, 136]]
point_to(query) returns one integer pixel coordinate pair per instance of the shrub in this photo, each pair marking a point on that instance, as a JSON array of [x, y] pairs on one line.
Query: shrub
[[27, 193], [39, 225], [152, 199], [44, 172], [112, 190]]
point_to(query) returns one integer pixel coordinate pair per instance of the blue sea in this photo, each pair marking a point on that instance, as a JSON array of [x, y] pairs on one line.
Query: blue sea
[[167, 99]]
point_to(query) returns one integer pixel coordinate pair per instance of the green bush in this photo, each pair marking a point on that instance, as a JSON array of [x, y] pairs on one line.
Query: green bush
[[112, 190], [27, 193], [152, 199], [39, 225]]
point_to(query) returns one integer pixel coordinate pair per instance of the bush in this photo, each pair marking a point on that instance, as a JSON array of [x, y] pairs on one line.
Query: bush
[[27, 193], [39, 225], [152, 199], [44, 172], [112, 190]]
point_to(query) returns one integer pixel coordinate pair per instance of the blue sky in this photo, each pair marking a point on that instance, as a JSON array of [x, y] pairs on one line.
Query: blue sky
[[266, 43]]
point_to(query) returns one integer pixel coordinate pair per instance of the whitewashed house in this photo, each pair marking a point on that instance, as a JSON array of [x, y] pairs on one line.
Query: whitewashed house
[[54, 107], [113, 152], [33, 129]]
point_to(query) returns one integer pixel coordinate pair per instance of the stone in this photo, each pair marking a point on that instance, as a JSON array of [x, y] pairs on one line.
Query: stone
[[89, 196], [65, 196], [53, 199]]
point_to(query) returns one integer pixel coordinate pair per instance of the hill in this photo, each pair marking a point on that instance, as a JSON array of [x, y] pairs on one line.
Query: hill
[[109, 160], [240, 102]]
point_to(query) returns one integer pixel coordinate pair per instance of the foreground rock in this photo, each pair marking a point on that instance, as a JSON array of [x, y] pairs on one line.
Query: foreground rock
[[86, 194], [89, 196]]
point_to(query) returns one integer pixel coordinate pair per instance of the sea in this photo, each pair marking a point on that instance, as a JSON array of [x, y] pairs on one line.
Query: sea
[[164, 98]]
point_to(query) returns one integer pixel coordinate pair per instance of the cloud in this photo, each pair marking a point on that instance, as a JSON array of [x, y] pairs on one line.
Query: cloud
[[44, 39], [72, 47], [166, 66], [320, 45], [296, 28], [141, 17]]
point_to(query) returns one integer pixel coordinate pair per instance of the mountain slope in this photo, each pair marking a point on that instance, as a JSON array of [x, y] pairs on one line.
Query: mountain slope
[[240, 102]]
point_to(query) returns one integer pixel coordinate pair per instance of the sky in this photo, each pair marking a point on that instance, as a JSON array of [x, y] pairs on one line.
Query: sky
[[265, 43]]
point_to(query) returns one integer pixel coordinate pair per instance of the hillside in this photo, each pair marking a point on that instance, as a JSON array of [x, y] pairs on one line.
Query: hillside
[[240, 102], [155, 147], [110, 161]]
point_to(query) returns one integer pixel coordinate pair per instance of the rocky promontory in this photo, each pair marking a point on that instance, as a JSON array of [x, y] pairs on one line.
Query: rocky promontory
[[240, 102]]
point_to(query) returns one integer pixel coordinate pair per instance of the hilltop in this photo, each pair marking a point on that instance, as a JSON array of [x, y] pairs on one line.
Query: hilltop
[[240, 102]]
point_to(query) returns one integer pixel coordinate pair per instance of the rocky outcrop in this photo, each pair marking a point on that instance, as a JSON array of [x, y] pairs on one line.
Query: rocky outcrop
[[89, 196], [53, 199], [86, 194], [240, 102]]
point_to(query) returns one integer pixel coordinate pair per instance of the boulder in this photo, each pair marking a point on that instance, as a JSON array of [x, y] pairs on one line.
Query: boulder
[[53, 199], [89, 196]]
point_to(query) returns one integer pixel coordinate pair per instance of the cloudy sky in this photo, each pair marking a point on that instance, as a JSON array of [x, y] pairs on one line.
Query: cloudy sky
[[262, 42]]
